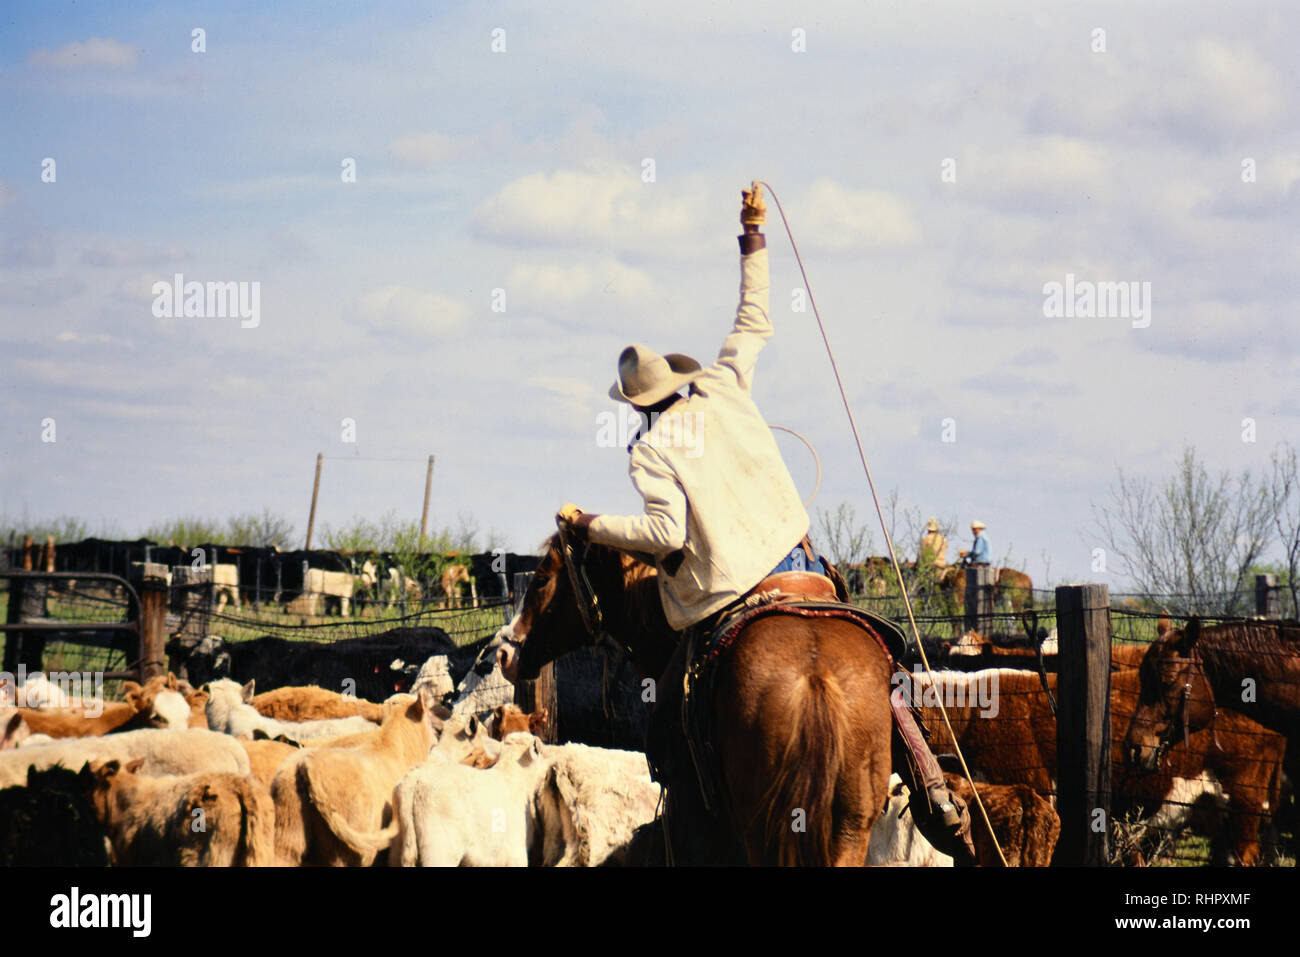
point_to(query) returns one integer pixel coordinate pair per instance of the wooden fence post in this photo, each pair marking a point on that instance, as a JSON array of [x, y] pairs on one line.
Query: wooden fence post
[[1083, 746], [541, 693], [1266, 596], [153, 620], [979, 599]]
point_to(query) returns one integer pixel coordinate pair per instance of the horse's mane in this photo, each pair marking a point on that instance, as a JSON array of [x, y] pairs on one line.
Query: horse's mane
[[1267, 644], [640, 581]]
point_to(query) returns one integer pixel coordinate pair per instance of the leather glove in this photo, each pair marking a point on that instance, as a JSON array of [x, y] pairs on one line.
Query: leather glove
[[753, 211]]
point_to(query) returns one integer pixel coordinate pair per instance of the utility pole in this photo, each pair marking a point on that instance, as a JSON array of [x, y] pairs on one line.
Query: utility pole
[[315, 493], [424, 515]]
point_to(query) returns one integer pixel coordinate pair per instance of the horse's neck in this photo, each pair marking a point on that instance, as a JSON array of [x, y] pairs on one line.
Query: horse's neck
[[645, 629], [1274, 675]]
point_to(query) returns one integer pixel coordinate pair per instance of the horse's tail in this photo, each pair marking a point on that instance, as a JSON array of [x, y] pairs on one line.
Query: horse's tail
[[799, 819]]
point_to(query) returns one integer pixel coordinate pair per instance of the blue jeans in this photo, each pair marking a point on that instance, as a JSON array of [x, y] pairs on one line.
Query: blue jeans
[[797, 561]]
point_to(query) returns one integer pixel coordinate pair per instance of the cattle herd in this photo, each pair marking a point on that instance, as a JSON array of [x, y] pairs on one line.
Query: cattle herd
[[249, 760]]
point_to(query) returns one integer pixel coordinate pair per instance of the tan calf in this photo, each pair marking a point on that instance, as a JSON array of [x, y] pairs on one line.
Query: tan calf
[[310, 703], [327, 799], [199, 820]]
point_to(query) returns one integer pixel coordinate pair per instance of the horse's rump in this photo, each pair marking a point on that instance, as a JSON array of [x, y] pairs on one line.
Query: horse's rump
[[801, 702]]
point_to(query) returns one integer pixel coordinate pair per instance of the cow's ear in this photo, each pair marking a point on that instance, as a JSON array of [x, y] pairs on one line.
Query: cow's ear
[[472, 726], [135, 766], [129, 686], [171, 682], [537, 720], [107, 769], [135, 699], [1191, 632], [248, 690]]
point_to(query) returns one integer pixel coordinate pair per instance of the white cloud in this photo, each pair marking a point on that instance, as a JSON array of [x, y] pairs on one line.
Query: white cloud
[[539, 285], [840, 218], [1233, 84], [600, 205], [98, 52], [398, 308], [77, 337], [567, 399], [1057, 169]]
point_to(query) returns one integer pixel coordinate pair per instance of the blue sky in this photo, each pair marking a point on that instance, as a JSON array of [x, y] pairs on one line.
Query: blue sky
[[521, 171]]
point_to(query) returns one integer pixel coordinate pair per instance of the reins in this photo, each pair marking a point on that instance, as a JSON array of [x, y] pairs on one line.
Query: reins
[[588, 602], [893, 558]]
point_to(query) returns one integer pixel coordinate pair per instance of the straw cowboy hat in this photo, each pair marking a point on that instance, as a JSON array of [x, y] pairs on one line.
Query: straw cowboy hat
[[932, 526], [977, 524], [645, 377]]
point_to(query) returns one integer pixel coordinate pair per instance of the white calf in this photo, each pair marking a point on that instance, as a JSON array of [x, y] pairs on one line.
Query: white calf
[[229, 710], [450, 815]]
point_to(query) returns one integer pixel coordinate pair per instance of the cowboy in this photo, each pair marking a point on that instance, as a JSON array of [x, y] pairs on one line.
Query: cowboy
[[934, 547], [722, 513], [979, 550]]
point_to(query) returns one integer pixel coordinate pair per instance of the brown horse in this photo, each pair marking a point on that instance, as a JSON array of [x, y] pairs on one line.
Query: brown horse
[[801, 714], [1015, 587], [1250, 667]]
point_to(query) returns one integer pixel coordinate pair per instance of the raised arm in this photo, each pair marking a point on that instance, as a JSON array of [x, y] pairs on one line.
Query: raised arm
[[753, 325]]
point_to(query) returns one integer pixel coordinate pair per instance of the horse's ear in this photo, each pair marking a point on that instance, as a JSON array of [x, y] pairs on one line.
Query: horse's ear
[[1191, 631]]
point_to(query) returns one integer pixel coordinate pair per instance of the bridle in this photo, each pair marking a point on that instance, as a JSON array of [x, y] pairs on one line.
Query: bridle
[[584, 593], [1184, 708]]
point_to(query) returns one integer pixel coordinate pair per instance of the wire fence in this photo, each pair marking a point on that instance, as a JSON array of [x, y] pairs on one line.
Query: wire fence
[[1220, 796]]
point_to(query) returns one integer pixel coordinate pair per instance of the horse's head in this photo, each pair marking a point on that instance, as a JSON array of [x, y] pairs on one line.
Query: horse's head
[[551, 621], [1174, 697]]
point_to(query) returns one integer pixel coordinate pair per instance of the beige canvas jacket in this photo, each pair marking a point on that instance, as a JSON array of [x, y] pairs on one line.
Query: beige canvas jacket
[[934, 548], [713, 480]]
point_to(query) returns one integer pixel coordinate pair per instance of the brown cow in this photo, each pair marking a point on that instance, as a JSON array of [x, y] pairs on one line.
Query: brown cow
[[508, 718], [1018, 746], [137, 711], [198, 820], [310, 703], [1025, 823]]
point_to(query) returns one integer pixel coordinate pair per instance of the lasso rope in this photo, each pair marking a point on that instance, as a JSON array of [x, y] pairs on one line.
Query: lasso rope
[[816, 459], [893, 558]]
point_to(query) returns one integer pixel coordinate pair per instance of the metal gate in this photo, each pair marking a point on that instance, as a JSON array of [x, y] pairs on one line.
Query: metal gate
[[29, 626]]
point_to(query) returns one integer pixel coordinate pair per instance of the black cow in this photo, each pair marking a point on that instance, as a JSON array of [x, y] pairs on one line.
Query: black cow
[[50, 822], [277, 662]]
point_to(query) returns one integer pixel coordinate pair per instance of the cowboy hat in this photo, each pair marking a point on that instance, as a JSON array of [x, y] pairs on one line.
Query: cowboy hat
[[645, 377], [932, 526], [977, 524]]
